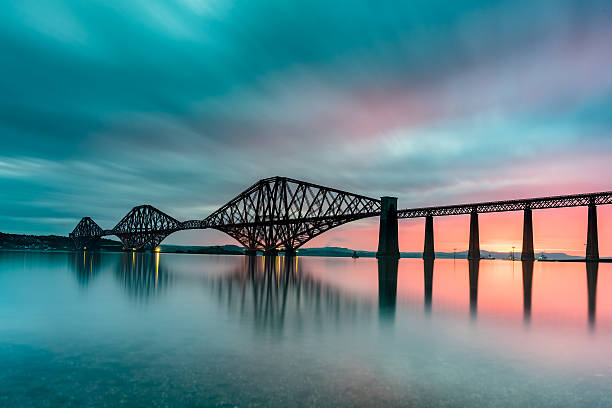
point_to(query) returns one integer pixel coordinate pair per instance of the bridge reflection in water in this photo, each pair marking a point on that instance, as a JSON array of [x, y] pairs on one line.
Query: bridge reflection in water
[[274, 290], [474, 269], [592, 268], [387, 287], [86, 265], [428, 266], [143, 275], [527, 289]]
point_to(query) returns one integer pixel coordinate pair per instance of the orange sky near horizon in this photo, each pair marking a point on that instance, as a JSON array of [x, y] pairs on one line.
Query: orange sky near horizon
[[555, 230]]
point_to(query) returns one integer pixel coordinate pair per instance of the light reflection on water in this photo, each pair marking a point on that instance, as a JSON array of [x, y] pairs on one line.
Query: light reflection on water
[[198, 330]]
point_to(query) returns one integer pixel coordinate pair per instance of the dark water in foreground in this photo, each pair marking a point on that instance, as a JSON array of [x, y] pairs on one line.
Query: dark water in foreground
[[198, 330]]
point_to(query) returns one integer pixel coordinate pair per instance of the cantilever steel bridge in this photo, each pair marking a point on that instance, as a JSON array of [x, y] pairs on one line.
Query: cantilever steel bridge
[[274, 213], [280, 213]]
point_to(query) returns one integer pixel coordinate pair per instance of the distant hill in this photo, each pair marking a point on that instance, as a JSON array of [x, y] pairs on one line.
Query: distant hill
[[345, 252]]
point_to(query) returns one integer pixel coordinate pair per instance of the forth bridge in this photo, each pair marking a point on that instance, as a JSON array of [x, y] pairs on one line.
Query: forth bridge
[[281, 214]]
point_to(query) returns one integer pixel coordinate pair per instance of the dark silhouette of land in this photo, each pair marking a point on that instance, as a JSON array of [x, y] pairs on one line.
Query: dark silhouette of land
[[49, 242]]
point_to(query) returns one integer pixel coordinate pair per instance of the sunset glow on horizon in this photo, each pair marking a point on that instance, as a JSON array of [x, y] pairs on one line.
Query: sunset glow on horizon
[[555, 230]]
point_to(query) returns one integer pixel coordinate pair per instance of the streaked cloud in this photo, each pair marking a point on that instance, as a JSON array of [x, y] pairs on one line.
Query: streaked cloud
[[182, 104]]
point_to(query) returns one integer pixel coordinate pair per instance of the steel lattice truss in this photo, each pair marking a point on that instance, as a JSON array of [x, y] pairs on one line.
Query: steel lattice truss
[[86, 232], [284, 213], [274, 213], [145, 227], [577, 200]]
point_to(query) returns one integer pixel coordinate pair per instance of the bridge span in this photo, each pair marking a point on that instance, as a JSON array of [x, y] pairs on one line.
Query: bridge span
[[282, 214]]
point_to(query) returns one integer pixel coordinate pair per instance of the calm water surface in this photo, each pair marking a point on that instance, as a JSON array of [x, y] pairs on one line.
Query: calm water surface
[[147, 330]]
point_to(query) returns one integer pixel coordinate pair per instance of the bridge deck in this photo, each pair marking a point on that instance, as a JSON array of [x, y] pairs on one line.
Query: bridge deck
[[576, 200]]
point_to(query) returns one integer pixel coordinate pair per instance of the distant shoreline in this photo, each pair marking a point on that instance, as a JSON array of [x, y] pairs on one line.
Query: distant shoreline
[[301, 253], [55, 243]]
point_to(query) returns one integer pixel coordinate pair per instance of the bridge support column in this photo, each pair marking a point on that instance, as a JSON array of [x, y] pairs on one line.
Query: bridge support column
[[474, 249], [528, 253], [250, 252], [388, 245], [592, 249], [428, 250]]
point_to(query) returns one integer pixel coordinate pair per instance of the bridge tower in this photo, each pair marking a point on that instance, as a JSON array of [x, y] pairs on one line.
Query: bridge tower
[[86, 233], [388, 245]]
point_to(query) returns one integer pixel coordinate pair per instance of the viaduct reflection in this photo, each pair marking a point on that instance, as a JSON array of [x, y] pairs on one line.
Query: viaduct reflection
[[473, 270], [274, 291], [85, 265], [527, 289], [141, 275], [591, 276], [592, 268], [387, 287], [428, 267]]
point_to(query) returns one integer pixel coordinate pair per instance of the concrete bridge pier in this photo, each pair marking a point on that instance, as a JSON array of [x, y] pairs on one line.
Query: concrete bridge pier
[[428, 250], [592, 249], [388, 245], [250, 252], [474, 249], [528, 252]]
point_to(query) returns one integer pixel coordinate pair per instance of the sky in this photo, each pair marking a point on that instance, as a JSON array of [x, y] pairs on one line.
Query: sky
[[182, 104]]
